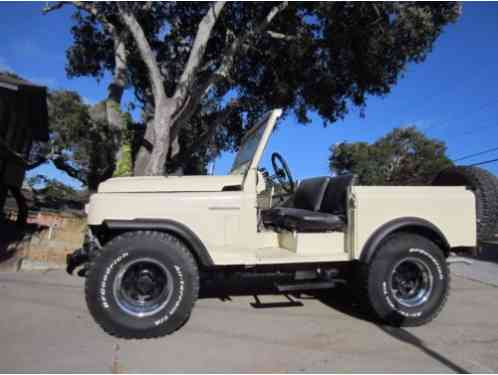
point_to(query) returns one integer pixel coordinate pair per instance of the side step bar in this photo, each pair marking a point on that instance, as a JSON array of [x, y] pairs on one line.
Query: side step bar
[[310, 285]]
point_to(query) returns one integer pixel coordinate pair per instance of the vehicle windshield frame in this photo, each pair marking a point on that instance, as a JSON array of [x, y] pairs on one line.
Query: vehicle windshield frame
[[249, 146]]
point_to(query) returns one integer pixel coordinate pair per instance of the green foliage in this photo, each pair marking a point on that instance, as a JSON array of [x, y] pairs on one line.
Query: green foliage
[[404, 156], [81, 142], [315, 57], [54, 194], [203, 139], [52, 189], [124, 166]]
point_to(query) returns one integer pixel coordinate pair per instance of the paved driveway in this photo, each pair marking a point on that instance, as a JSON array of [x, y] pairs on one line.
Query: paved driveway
[[45, 326]]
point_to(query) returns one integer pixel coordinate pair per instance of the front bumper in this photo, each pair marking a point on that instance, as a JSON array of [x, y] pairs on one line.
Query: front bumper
[[82, 256], [77, 258]]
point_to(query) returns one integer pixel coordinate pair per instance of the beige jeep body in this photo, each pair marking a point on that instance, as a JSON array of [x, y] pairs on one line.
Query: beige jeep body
[[218, 217]]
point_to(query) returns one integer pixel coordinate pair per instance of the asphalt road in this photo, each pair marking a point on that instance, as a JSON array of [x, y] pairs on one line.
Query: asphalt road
[[45, 326]]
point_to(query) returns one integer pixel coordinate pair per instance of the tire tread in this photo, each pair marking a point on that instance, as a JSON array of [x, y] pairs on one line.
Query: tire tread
[[364, 275], [485, 187], [129, 334]]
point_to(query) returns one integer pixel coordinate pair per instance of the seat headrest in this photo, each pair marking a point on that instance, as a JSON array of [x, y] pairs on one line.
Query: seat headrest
[[334, 200], [310, 192]]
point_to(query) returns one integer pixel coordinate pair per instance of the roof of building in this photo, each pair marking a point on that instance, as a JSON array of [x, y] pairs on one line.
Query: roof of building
[[10, 82]]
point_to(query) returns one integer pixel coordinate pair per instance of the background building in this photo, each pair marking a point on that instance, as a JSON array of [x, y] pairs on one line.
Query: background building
[[23, 121]]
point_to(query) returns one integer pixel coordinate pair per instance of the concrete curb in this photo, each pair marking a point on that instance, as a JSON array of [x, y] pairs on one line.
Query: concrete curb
[[481, 271], [484, 267], [26, 264]]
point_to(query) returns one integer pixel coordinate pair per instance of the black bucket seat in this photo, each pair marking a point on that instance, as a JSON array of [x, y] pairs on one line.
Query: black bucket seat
[[319, 206]]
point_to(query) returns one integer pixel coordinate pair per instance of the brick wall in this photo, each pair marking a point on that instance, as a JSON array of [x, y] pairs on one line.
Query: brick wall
[[50, 237], [59, 235]]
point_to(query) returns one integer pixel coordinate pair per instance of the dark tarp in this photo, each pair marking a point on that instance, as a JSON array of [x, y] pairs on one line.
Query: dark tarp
[[27, 102], [23, 120]]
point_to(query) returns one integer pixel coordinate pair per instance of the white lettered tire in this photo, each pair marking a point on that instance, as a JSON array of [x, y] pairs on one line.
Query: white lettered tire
[[143, 284], [407, 282]]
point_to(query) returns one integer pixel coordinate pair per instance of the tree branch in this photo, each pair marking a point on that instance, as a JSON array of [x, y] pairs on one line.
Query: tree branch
[[61, 163], [198, 48], [221, 117], [223, 70], [36, 164], [280, 36], [49, 8], [116, 87], [92, 9], [145, 52], [86, 6], [207, 137]]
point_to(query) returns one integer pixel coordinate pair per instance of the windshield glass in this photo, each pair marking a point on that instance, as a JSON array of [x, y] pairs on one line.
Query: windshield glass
[[248, 148]]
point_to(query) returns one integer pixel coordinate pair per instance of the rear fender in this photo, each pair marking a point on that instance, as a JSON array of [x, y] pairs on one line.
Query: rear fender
[[405, 224]]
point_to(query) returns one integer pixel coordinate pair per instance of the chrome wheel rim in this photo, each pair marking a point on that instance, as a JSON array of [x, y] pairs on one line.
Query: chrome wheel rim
[[411, 282], [143, 287]]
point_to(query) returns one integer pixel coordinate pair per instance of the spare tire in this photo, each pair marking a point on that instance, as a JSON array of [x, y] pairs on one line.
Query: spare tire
[[484, 185]]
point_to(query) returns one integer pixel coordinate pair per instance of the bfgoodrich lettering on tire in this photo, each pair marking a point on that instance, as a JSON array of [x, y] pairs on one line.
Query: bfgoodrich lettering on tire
[[143, 284], [407, 281]]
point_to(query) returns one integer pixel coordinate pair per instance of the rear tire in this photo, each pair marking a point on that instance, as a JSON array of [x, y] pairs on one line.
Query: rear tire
[[484, 185], [407, 281], [142, 285]]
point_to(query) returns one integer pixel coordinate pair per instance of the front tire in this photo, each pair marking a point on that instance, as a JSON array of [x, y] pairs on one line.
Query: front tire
[[407, 281], [142, 285]]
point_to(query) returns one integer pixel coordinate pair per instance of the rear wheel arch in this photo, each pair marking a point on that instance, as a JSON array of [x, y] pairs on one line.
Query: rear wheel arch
[[406, 225], [174, 228]]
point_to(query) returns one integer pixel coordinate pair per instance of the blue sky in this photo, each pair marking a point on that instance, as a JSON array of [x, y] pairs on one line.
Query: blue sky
[[452, 96]]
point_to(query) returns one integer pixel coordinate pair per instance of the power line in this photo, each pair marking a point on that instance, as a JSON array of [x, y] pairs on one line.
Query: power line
[[476, 154], [483, 162], [466, 115], [477, 129]]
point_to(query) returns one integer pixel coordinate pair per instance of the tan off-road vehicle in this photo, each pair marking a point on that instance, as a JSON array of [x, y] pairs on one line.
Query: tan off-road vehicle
[[150, 239]]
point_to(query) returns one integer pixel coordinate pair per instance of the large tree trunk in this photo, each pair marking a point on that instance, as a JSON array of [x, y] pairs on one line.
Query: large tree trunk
[[143, 155], [116, 87], [165, 108], [163, 121], [115, 118]]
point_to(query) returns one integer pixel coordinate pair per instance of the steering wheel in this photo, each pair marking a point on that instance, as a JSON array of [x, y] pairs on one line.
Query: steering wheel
[[282, 172]]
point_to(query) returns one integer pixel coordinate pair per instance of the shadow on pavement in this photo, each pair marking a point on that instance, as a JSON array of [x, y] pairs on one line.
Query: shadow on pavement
[[252, 285], [340, 299], [409, 338], [12, 240], [6, 255]]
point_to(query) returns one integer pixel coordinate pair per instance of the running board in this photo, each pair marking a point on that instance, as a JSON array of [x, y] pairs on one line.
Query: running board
[[310, 285]]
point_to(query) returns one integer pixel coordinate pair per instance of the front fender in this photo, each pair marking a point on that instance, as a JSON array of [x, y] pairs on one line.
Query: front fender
[[169, 226]]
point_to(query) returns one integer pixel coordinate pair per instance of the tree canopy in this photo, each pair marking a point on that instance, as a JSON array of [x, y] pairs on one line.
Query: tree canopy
[[51, 193], [81, 142], [405, 156], [191, 63]]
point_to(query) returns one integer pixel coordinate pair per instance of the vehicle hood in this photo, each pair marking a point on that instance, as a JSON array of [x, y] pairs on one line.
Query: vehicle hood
[[152, 184]]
